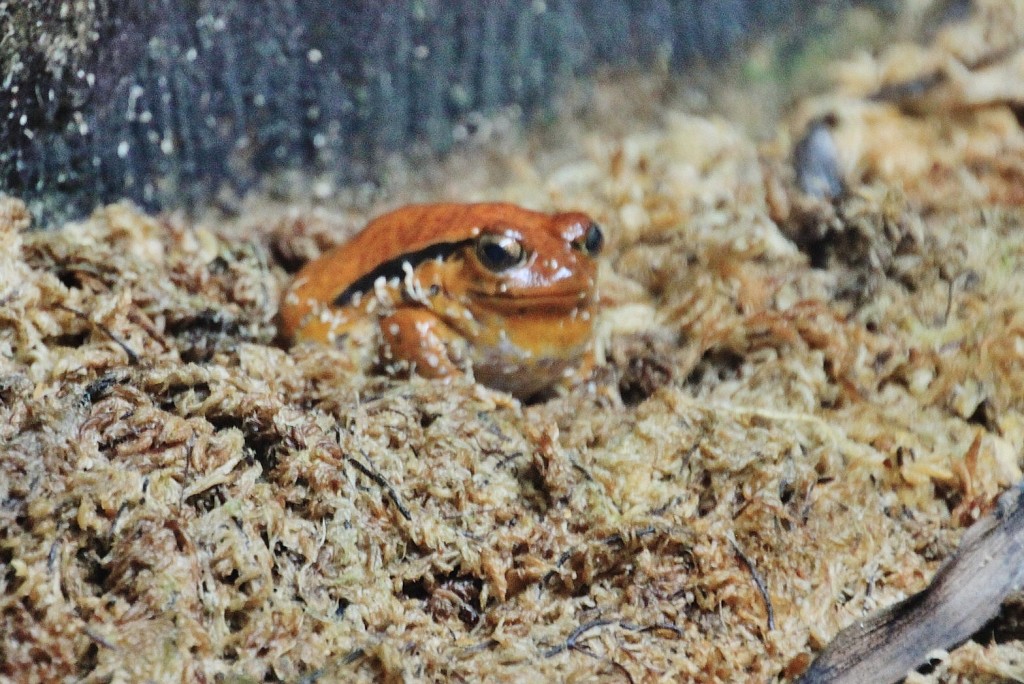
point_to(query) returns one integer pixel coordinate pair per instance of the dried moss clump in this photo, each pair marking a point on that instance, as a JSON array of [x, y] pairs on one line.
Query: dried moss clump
[[774, 445]]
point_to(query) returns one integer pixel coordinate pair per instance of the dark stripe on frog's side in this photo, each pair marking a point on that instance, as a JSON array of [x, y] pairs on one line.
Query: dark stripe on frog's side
[[393, 268]]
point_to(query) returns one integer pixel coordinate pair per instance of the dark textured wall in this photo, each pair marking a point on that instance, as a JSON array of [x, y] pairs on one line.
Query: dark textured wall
[[166, 101]]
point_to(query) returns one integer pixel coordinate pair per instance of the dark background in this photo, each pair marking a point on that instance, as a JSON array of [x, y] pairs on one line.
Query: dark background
[[170, 102]]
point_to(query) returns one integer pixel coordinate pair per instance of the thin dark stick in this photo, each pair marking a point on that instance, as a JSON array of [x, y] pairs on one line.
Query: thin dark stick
[[189, 450], [758, 582], [133, 358], [949, 300], [622, 668], [508, 459], [652, 627], [379, 479], [572, 645], [570, 642], [99, 639]]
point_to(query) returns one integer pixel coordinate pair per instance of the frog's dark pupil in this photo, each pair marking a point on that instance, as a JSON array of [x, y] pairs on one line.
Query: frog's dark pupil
[[594, 240], [496, 257]]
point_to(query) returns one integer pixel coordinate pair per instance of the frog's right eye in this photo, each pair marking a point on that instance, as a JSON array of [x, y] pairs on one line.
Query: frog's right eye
[[592, 241], [499, 252]]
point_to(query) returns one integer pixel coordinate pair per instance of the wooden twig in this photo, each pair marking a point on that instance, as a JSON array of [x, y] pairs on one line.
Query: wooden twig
[[965, 594]]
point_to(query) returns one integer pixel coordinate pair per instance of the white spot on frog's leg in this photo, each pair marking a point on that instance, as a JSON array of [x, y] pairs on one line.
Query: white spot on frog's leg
[[292, 298], [585, 315], [433, 361], [394, 329], [337, 321], [357, 298], [503, 288]]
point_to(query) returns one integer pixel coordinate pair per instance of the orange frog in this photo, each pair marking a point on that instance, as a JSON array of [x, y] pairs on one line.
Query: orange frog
[[507, 292]]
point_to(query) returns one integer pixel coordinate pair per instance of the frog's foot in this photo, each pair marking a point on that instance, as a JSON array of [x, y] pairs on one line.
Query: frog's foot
[[419, 341]]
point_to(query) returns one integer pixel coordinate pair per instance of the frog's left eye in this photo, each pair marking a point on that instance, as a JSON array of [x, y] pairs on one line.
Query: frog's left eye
[[499, 252], [592, 241]]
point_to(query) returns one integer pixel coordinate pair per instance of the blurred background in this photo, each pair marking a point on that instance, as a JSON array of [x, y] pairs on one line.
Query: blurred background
[[182, 104]]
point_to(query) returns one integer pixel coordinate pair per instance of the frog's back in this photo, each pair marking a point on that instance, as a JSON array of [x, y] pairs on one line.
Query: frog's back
[[400, 234]]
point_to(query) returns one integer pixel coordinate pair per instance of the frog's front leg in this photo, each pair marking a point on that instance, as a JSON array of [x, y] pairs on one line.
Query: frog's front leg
[[422, 340]]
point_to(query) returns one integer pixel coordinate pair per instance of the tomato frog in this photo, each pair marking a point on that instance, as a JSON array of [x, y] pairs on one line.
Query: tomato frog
[[503, 291]]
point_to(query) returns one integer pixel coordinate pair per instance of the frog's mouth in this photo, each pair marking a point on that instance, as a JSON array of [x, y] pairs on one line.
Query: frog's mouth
[[541, 303]]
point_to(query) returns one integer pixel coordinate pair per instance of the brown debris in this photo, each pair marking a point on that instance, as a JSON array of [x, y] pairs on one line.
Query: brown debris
[[799, 406]]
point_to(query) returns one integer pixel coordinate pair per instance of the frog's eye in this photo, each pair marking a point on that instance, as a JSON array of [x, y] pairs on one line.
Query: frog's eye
[[499, 252], [592, 241]]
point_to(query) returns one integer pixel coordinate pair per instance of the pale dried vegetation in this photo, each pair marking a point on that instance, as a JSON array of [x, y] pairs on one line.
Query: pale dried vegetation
[[800, 407]]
